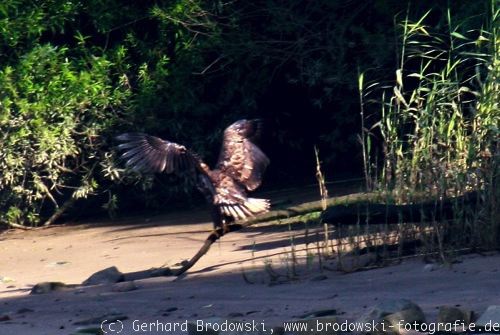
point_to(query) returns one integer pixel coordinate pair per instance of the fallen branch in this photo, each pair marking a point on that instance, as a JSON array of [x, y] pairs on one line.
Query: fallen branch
[[375, 213], [345, 210], [18, 226], [60, 211], [214, 236], [316, 206]]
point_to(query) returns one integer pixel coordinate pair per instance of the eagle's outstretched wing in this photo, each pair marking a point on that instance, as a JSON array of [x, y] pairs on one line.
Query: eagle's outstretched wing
[[240, 158], [147, 153]]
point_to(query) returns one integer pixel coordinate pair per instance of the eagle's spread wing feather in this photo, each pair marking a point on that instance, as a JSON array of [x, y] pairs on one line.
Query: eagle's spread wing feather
[[240, 158], [152, 154]]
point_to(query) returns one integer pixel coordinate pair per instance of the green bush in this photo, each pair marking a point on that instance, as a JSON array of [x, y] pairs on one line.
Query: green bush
[[54, 116]]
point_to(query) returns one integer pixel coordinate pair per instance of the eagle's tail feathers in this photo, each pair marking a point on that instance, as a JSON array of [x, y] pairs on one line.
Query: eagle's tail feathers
[[257, 206]]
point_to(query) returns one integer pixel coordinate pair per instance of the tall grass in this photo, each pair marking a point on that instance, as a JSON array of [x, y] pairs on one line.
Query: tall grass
[[439, 127]]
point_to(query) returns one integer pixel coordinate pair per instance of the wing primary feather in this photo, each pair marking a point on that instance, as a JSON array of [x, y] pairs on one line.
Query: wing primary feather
[[146, 153]]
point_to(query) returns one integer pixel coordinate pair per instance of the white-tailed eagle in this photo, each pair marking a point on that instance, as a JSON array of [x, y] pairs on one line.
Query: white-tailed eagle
[[239, 169]]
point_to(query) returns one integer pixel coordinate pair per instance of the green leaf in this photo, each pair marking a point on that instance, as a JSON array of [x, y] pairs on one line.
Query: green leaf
[[459, 36], [360, 81]]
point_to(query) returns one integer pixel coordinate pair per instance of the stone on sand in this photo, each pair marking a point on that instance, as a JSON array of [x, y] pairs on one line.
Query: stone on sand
[[390, 313], [109, 275], [124, 286], [490, 316], [47, 287], [407, 316], [450, 314], [352, 262]]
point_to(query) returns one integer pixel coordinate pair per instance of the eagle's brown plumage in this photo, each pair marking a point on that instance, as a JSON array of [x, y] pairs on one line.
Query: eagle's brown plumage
[[239, 169]]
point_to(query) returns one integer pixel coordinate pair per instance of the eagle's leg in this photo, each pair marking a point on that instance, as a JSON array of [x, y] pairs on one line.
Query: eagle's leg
[[225, 222], [220, 221], [217, 219]]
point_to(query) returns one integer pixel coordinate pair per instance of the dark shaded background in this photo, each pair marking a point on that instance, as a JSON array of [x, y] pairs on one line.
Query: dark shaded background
[[294, 64], [194, 67]]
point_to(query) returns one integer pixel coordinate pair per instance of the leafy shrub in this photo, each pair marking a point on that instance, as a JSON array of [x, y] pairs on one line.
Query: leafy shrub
[[55, 113]]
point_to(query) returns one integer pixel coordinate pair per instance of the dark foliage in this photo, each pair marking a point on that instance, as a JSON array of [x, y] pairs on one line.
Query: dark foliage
[[75, 73]]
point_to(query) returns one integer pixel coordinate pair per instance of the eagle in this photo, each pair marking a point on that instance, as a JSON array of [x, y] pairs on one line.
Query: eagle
[[239, 169]]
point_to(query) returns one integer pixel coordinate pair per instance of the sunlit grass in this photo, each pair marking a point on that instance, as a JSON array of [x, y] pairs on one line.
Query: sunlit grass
[[439, 129]]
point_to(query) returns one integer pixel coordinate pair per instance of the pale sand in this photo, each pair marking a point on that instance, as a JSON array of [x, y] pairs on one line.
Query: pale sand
[[213, 287]]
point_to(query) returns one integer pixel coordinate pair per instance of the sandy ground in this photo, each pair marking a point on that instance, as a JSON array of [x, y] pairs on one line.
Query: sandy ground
[[229, 281]]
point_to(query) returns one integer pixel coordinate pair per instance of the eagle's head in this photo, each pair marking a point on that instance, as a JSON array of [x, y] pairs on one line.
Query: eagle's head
[[245, 128]]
